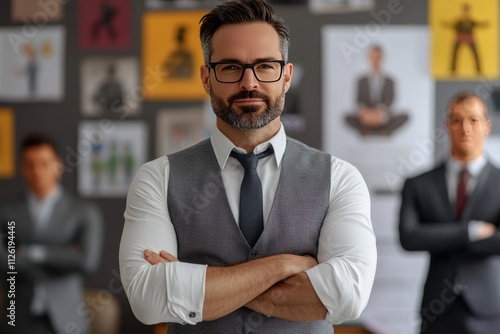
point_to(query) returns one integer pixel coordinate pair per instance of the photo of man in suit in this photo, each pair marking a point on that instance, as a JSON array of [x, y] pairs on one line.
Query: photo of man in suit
[[58, 239], [453, 213], [375, 95]]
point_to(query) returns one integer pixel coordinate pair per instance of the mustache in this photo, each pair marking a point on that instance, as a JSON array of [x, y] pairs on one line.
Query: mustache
[[249, 94]]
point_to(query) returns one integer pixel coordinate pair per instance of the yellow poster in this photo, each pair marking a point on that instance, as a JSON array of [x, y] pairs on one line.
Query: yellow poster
[[6, 143], [464, 39], [172, 56]]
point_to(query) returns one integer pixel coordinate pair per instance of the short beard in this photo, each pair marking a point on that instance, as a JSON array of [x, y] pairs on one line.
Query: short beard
[[249, 119]]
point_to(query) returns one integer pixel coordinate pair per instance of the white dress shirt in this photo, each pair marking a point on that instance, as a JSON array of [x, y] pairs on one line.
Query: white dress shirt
[[174, 292]]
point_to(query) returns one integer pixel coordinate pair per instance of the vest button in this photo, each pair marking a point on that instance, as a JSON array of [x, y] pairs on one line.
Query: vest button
[[192, 314], [254, 254]]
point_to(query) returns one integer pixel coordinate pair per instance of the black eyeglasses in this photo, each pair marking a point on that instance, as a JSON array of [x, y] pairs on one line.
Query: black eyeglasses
[[231, 72]]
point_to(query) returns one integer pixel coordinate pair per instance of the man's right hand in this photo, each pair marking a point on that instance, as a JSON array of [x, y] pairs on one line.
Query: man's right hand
[[486, 230]]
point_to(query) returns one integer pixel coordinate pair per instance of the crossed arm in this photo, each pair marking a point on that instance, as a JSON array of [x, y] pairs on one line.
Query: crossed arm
[[161, 289], [275, 286]]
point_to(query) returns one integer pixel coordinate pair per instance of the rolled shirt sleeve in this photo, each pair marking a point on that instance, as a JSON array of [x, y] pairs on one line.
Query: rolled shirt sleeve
[[347, 252], [167, 292]]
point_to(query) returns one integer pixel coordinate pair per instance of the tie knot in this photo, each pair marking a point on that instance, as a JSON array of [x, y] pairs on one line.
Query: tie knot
[[250, 161], [464, 174]]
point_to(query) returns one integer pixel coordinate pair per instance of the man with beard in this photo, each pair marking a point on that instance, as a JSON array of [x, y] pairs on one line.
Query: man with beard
[[248, 230]]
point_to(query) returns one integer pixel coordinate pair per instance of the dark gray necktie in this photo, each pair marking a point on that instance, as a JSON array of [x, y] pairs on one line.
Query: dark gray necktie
[[251, 213]]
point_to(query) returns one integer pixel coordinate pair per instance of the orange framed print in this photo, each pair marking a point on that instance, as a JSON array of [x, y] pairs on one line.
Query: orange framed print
[[6, 143], [172, 56]]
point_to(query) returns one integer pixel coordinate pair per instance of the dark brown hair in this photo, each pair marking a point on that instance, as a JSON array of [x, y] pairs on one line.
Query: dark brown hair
[[36, 140], [465, 96], [242, 11]]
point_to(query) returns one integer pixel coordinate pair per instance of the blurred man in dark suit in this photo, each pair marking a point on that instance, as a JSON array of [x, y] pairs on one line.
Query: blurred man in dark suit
[[453, 212]]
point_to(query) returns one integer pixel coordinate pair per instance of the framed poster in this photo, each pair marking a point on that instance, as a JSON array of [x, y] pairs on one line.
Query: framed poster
[[340, 6], [32, 69], [172, 56], [177, 129], [7, 169], [378, 103], [109, 155], [104, 24], [464, 39], [109, 87], [36, 11]]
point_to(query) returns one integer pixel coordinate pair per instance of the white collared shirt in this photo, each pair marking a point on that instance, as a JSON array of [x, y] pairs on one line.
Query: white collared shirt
[[174, 292], [453, 169], [41, 209]]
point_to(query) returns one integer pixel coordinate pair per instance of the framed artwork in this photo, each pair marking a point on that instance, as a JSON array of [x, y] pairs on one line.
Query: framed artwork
[[381, 111], [181, 4], [36, 11], [205, 4], [7, 169], [31, 69], [109, 87], [172, 56], [177, 129], [109, 156], [104, 24], [464, 39], [340, 6]]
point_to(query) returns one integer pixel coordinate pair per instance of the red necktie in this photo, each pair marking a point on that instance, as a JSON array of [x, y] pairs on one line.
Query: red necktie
[[462, 191]]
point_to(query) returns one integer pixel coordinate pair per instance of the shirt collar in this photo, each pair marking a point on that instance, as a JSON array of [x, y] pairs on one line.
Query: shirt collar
[[474, 167], [223, 146], [53, 197]]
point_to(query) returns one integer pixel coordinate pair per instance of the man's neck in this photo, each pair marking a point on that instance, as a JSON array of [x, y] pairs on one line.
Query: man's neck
[[43, 194], [465, 158], [249, 139]]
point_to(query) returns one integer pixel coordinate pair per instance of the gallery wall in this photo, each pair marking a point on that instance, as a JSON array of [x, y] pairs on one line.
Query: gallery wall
[[72, 122]]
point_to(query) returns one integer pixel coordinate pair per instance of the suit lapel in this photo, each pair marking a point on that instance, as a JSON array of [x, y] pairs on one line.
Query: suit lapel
[[58, 214], [475, 198], [442, 191], [24, 215]]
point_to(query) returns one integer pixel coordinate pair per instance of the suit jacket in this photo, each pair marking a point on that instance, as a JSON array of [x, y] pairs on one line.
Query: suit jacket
[[386, 93], [428, 223], [72, 239]]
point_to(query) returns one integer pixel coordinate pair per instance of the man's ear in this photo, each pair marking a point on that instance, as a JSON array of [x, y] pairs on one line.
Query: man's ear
[[287, 74]]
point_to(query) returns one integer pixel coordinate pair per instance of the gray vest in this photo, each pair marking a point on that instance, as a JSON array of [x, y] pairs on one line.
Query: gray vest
[[207, 232]]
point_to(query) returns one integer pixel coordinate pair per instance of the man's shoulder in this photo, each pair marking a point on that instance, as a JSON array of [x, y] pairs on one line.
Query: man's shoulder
[[204, 145], [17, 203], [296, 144], [428, 174]]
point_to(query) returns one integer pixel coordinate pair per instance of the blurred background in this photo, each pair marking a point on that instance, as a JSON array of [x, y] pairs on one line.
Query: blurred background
[[115, 83]]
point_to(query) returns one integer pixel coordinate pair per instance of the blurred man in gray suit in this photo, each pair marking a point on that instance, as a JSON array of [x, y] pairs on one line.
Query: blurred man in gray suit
[[453, 212], [57, 239]]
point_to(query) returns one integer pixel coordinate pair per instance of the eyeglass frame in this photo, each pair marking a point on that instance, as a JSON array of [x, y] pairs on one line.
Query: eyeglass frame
[[211, 65]]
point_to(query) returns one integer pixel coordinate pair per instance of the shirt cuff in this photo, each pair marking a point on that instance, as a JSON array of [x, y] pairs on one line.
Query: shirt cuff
[[37, 253], [473, 229], [186, 291], [319, 276]]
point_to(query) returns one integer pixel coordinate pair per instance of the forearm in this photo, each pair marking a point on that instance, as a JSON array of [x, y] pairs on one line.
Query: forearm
[[292, 299], [229, 288]]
